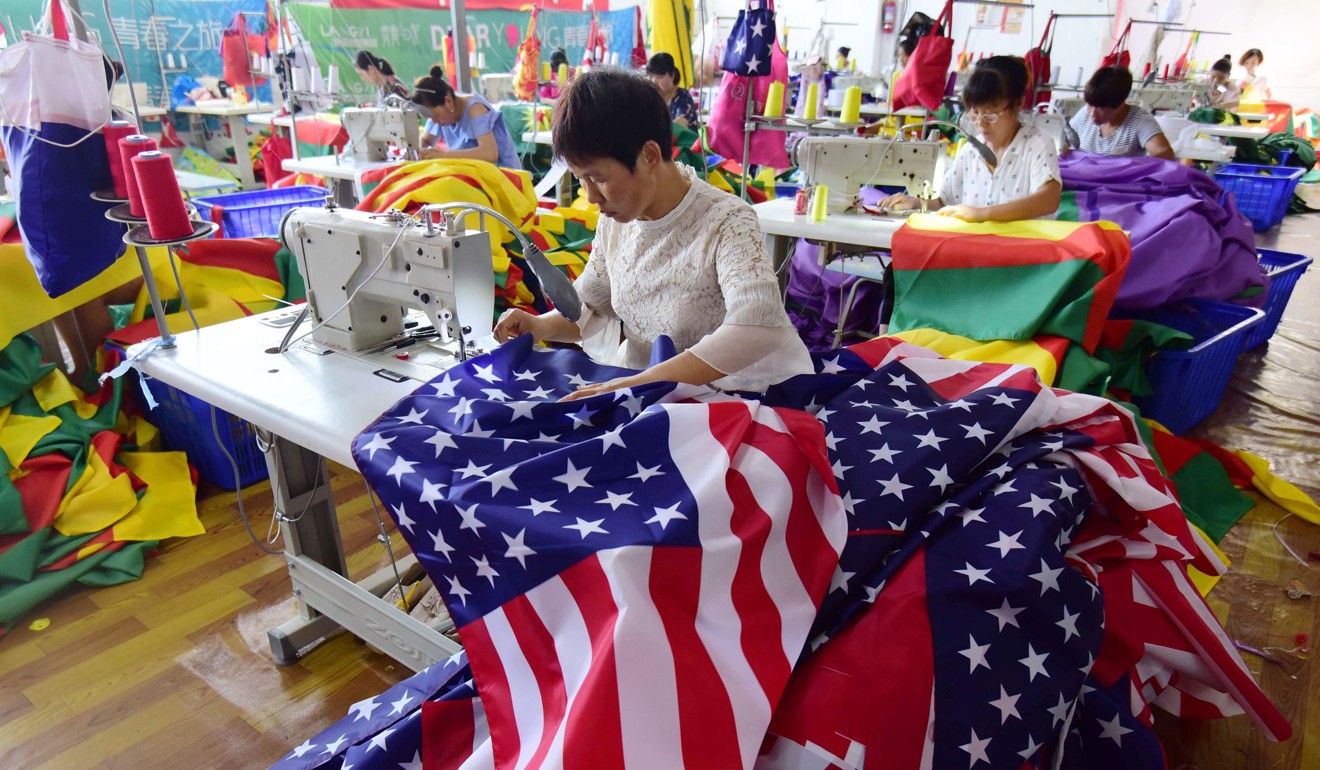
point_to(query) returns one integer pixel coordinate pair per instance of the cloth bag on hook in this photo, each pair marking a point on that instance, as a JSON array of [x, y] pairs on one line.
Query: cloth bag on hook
[[1118, 55], [527, 64], [236, 48], [927, 73], [751, 41], [1038, 66], [724, 130], [54, 98]]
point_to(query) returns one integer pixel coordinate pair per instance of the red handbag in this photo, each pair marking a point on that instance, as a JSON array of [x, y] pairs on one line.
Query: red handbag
[[928, 69], [1038, 65], [236, 48], [1118, 55]]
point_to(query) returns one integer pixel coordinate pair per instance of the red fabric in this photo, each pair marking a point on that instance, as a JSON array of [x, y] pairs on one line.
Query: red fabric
[[42, 488], [449, 734], [527, 63], [639, 48], [1038, 65], [724, 131], [1118, 55], [236, 47], [927, 73], [274, 151]]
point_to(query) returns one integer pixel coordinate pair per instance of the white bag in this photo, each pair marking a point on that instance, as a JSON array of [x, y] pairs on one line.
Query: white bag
[[46, 79]]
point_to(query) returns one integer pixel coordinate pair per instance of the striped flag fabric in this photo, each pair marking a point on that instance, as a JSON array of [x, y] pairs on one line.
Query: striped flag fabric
[[633, 576]]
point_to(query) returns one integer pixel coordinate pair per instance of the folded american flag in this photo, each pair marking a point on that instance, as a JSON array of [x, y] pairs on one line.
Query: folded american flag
[[891, 563]]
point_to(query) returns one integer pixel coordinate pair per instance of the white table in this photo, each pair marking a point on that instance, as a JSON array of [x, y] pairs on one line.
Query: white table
[[1253, 116], [343, 174], [563, 180], [313, 405], [233, 115], [1233, 132], [191, 183]]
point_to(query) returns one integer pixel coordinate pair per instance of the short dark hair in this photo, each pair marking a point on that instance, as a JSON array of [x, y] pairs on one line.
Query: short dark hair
[[364, 59], [432, 90], [844, 51], [610, 112], [1109, 87], [662, 64], [1250, 53], [987, 86], [558, 57], [908, 44], [1224, 65], [1013, 71]]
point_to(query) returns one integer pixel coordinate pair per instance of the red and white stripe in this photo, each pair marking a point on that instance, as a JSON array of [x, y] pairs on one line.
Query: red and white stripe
[[672, 657]]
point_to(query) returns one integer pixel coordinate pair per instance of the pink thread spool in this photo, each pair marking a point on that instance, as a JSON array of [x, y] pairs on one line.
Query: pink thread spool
[[129, 148], [113, 132]]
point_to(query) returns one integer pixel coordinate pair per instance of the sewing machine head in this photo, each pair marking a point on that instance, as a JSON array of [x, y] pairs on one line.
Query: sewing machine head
[[846, 163], [371, 130], [365, 271]]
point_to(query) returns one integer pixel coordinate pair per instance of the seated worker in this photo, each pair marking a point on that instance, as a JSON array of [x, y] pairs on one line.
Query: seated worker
[[1025, 183], [672, 256], [557, 58], [664, 73], [471, 127], [1224, 93], [378, 72], [1111, 126]]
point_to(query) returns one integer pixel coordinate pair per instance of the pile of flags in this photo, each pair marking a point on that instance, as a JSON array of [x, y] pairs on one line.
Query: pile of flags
[[900, 561]]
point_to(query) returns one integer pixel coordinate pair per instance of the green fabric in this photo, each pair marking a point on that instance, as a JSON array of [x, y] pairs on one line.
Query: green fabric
[[12, 520], [1082, 373], [1303, 153], [20, 368], [998, 303], [295, 289], [1208, 497], [99, 569], [1213, 115], [1127, 362], [19, 563]]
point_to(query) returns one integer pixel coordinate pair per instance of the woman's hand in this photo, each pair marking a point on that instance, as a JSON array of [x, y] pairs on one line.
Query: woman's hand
[[597, 388], [515, 323], [964, 212], [899, 202], [431, 153]]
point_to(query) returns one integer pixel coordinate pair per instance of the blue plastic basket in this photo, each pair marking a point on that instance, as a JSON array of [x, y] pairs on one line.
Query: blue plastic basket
[[1283, 269], [185, 425], [1262, 192], [256, 213], [1189, 384]]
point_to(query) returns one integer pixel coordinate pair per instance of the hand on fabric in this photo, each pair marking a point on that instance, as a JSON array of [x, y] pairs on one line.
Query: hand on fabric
[[515, 323], [964, 212], [597, 388], [899, 201], [432, 153]]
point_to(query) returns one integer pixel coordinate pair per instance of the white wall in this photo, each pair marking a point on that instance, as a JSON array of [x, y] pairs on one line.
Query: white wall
[[1286, 30]]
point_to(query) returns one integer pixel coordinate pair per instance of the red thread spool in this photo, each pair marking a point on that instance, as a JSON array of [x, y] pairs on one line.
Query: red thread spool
[[1166, 72], [114, 131], [129, 147], [167, 215], [1146, 71]]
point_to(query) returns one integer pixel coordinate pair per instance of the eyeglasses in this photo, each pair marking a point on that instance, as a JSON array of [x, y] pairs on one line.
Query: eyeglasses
[[988, 118]]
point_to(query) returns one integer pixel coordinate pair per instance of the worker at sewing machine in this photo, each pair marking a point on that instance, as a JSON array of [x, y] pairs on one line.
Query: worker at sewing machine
[[673, 255], [377, 72], [1025, 184], [1111, 126], [471, 127]]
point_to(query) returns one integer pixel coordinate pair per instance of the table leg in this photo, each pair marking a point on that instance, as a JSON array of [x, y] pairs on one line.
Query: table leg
[[242, 155], [327, 599]]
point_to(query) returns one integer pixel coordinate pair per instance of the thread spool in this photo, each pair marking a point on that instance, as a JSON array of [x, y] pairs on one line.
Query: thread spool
[[1054, 73], [819, 203], [169, 61], [1166, 72], [813, 97], [1146, 70], [774, 100], [299, 80], [545, 72], [114, 131], [167, 215], [332, 79], [129, 148], [562, 75], [852, 105], [183, 61]]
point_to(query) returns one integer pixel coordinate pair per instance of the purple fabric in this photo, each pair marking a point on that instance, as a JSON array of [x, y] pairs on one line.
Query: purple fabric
[[1185, 243], [815, 296]]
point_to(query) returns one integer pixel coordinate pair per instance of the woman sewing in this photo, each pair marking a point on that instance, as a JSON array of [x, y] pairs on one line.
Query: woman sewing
[[1224, 93], [1025, 182], [673, 255], [1255, 87], [377, 72], [470, 126], [664, 73], [1111, 126]]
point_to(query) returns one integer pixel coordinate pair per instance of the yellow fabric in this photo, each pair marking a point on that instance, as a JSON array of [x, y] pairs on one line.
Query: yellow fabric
[[669, 28], [168, 507], [96, 500], [212, 291], [1047, 230], [55, 390], [959, 348], [1205, 583], [25, 303], [20, 433], [1287, 496], [139, 433]]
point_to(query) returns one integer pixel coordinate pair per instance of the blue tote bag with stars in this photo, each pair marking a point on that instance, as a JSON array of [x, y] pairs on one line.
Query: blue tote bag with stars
[[751, 42]]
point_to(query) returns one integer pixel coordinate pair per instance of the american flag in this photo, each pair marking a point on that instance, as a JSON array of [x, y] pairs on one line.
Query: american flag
[[632, 577], [928, 546]]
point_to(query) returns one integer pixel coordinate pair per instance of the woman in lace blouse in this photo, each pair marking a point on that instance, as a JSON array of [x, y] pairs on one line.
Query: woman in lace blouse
[[672, 255]]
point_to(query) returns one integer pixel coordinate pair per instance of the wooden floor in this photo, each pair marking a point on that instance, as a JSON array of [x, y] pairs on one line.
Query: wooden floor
[[173, 671]]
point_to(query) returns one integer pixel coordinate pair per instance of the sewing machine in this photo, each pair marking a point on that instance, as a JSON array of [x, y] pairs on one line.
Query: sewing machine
[[846, 163], [365, 272], [371, 130]]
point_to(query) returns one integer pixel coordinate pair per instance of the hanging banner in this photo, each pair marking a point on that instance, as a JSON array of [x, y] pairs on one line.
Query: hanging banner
[[181, 37], [469, 5], [412, 40]]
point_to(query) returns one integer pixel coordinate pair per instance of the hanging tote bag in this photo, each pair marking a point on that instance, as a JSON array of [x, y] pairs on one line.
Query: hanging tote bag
[[236, 48], [927, 72], [1118, 55], [750, 44], [527, 64], [724, 130], [53, 99], [1038, 65]]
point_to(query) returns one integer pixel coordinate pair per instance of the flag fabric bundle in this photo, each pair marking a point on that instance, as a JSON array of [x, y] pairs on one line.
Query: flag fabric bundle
[[1186, 242], [635, 575], [82, 497]]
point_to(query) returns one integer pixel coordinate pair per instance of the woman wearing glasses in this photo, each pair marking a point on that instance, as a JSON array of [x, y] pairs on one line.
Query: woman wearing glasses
[[1025, 183]]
